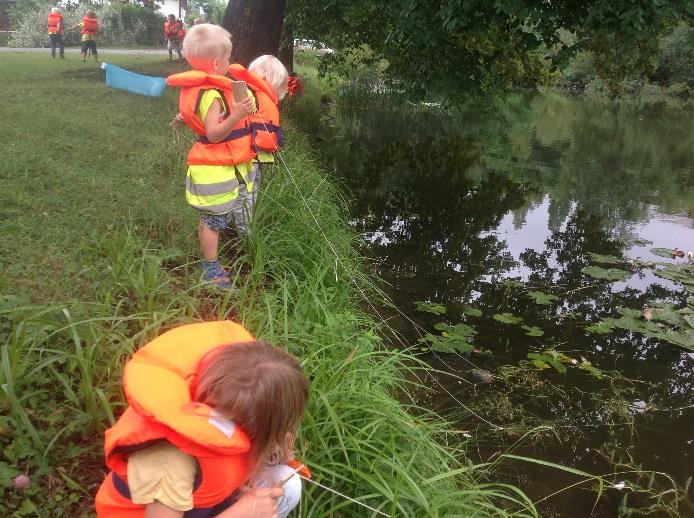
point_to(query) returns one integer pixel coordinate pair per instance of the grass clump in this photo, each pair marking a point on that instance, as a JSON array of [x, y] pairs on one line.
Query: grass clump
[[121, 271]]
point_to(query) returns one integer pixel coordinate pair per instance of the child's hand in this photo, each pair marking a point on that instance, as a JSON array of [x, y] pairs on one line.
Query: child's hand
[[256, 503], [177, 123], [243, 108]]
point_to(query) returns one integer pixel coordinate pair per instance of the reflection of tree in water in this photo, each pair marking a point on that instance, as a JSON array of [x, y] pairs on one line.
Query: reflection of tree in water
[[429, 210], [612, 160], [590, 415]]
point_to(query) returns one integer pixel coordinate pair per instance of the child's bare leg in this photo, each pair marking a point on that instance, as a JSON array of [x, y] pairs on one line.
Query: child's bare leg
[[209, 242]]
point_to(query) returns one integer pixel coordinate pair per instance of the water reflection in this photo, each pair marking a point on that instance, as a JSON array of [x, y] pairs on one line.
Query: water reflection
[[450, 210]]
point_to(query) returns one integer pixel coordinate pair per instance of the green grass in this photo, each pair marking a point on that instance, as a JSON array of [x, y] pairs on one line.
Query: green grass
[[99, 256]]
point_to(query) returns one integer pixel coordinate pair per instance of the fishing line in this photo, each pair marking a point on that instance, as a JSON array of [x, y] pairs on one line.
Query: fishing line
[[366, 299], [342, 495]]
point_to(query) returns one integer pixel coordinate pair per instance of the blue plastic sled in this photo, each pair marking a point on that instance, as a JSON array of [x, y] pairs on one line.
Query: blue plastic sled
[[117, 77]]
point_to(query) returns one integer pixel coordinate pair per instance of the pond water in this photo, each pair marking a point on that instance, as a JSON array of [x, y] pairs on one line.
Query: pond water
[[479, 216]]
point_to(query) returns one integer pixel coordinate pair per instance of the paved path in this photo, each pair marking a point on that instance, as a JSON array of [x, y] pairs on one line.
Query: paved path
[[76, 50]]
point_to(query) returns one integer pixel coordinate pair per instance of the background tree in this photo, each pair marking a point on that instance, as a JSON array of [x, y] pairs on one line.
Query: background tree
[[256, 28], [461, 47]]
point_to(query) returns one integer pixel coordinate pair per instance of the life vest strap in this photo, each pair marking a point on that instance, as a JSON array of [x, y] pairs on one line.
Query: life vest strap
[[235, 134], [268, 127]]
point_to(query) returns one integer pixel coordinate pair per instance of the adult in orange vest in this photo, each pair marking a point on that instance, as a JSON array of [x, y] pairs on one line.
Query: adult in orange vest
[[56, 28], [89, 28], [211, 411], [174, 34], [267, 78]]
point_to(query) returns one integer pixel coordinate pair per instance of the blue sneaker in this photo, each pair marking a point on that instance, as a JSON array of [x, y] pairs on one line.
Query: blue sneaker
[[215, 275]]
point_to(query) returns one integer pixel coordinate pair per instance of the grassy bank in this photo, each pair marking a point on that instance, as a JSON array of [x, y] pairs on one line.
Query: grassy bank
[[98, 257]]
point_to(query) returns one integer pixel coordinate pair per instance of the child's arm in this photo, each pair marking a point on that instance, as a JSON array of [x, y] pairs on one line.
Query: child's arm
[[215, 129], [257, 503]]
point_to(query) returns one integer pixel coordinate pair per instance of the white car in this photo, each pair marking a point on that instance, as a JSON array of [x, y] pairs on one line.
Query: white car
[[320, 49]]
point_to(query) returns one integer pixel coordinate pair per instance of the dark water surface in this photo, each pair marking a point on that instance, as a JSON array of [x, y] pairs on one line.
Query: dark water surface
[[452, 209]]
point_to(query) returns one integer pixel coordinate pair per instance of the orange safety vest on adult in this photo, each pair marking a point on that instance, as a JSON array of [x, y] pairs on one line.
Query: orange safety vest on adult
[[158, 382], [174, 30], [55, 23], [235, 148], [265, 123], [90, 26]]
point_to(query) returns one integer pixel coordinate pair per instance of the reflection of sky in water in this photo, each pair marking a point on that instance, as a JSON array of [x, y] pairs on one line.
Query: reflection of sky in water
[[665, 231]]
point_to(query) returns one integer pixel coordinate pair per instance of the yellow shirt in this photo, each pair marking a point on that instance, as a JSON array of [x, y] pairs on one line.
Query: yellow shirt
[[162, 472], [220, 171]]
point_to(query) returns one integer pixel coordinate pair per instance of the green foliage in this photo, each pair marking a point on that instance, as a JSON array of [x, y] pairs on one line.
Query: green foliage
[[507, 318], [676, 60], [430, 307], [541, 298], [604, 259], [213, 11], [533, 331], [610, 274], [463, 48], [120, 24]]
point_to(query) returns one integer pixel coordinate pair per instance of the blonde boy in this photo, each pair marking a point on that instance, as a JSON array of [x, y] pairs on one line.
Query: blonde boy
[[219, 163]]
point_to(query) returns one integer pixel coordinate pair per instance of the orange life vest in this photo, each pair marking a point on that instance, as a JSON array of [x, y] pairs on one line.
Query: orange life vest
[[90, 26], [174, 31], [236, 147], [158, 382], [55, 23], [265, 123]]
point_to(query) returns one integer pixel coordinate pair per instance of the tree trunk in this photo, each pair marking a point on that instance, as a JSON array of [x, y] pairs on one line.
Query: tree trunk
[[286, 54], [255, 27]]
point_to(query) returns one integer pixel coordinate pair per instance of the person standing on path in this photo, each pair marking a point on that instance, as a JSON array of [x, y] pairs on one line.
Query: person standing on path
[[89, 28], [174, 33], [56, 28]]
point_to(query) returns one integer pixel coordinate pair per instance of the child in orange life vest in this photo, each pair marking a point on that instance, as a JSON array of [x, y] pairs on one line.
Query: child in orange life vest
[[174, 34], [89, 27], [219, 163], [56, 28], [268, 79], [211, 415]]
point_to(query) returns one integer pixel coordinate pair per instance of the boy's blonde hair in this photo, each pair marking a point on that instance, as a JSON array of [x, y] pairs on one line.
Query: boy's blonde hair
[[273, 71], [55, 10], [206, 41], [91, 14]]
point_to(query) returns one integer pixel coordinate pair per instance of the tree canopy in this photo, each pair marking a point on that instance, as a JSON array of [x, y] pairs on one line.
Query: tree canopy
[[462, 46]]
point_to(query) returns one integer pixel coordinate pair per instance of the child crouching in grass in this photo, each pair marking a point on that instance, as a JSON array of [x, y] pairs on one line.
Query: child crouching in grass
[[209, 428], [219, 163]]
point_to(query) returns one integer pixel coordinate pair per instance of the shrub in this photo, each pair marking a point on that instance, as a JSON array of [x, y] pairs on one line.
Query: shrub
[[120, 24]]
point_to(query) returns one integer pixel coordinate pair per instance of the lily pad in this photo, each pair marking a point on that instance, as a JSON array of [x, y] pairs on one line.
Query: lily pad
[[641, 242], [541, 298], [507, 318], [459, 331], [604, 259], [443, 344], [611, 274], [430, 307], [473, 312], [533, 331], [663, 252], [601, 328], [512, 283]]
